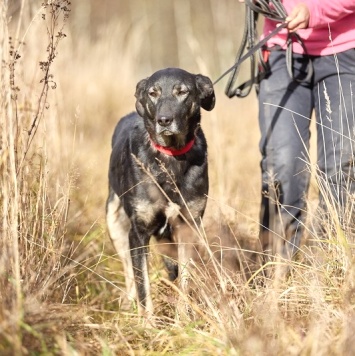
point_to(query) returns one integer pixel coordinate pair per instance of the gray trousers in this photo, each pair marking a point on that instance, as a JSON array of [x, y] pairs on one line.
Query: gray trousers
[[285, 109]]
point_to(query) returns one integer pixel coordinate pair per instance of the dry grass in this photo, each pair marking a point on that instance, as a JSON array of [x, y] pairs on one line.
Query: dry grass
[[61, 286]]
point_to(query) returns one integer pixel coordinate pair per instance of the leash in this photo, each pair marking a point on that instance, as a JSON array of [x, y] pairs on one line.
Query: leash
[[274, 10], [252, 51]]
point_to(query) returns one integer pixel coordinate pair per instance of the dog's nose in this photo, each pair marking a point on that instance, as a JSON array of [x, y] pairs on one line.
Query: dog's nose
[[165, 120]]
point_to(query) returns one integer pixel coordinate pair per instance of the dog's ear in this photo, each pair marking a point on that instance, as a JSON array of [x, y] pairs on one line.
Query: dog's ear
[[140, 89], [206, 90]]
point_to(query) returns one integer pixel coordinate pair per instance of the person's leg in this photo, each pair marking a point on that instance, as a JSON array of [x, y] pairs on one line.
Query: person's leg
[[285, 108], [334, 104]]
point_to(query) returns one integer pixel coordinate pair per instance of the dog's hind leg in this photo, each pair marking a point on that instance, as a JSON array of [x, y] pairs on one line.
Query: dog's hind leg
[[118, 225]]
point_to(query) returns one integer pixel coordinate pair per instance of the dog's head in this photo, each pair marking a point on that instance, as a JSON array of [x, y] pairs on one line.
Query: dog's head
[[169, 101]]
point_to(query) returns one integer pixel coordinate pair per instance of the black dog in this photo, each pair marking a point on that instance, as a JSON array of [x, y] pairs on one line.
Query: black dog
[[158, 173]]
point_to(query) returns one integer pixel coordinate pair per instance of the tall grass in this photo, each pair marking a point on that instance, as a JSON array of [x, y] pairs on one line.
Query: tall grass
[[64, 84]]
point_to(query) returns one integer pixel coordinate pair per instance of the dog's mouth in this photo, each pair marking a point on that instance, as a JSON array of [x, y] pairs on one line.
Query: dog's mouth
[[167, 133], [168, 138]]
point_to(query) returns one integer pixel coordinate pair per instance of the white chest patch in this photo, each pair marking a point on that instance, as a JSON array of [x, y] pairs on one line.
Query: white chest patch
[[172, 210], [145, 210]]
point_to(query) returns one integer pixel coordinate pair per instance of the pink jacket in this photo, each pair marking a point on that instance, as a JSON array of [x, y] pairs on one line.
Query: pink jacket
[[331, 27]]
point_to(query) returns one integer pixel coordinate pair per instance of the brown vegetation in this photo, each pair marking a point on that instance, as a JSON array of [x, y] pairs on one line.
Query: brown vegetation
[[64, 84]]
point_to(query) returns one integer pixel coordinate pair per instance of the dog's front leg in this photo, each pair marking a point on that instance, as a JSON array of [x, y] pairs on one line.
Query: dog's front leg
[[184, 258], [139, 254], [186, 252]]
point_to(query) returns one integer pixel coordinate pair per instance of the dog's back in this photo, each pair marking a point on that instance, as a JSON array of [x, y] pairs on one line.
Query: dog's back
[[128, 133]]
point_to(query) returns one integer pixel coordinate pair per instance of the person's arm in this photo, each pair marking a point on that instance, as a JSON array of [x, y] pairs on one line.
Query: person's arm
[[320, 12], [315, 13]]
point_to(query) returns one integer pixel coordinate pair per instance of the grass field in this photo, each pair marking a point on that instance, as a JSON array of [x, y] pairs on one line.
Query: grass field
[[68, 74]]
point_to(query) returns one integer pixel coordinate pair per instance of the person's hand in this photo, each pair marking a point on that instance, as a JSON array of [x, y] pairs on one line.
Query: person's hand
[[298, 18]]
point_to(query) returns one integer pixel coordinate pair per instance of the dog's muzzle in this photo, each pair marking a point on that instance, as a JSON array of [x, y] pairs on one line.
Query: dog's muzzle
[[166, 126]]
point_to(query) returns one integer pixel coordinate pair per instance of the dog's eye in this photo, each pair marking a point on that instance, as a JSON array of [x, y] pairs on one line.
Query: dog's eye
[[182, 92], [153, 93]]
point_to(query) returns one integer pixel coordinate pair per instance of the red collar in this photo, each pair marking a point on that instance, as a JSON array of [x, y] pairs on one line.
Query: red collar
[[172, 151]]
